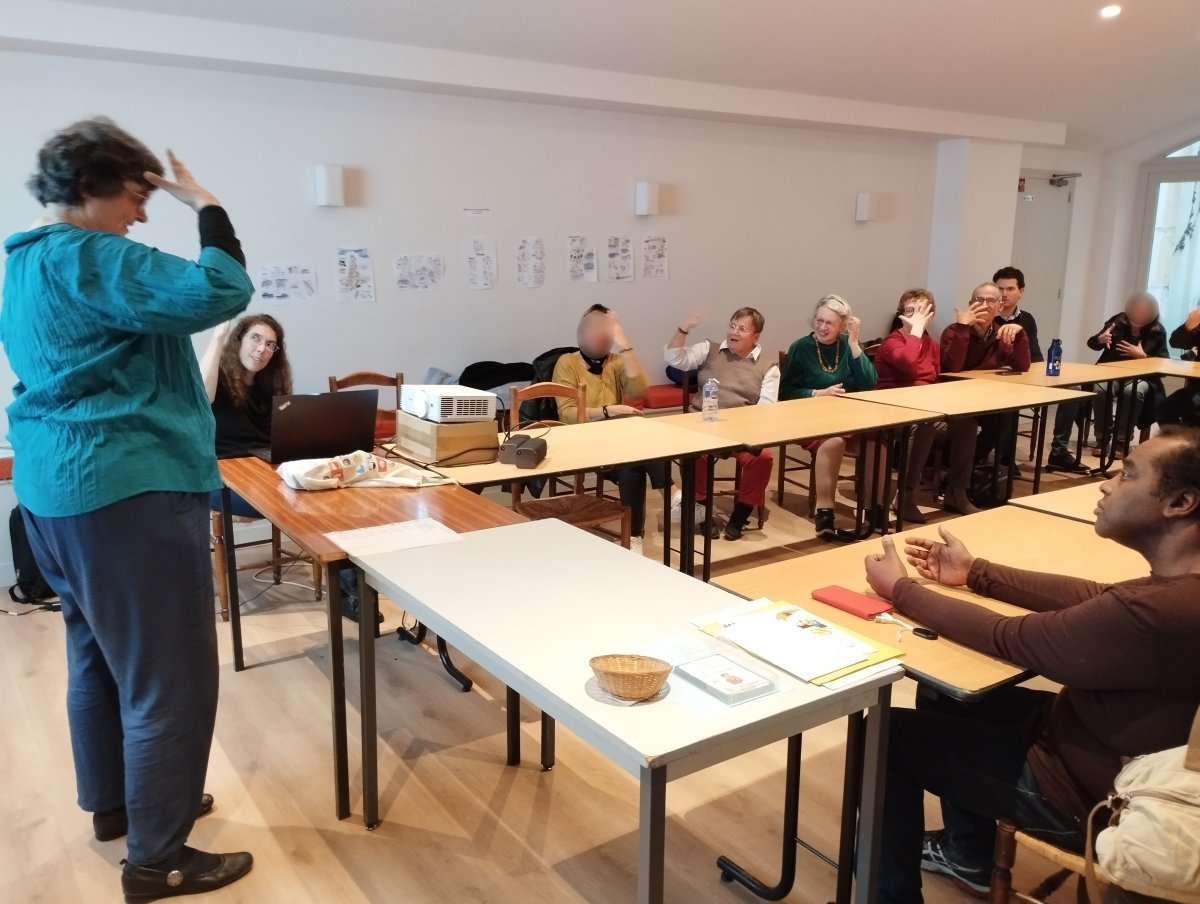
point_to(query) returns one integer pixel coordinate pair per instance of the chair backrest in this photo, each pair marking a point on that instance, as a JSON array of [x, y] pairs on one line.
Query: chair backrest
[[782, 358], [367, 378], [544, 391]]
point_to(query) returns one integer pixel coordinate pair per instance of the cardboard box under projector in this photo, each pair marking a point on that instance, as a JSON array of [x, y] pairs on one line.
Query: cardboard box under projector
[[450, 444]]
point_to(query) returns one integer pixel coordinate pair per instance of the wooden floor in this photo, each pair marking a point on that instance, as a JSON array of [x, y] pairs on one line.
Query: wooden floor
[[458, 825]]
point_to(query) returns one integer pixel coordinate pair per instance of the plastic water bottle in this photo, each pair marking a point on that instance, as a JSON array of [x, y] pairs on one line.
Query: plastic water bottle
[[708, 403], [1054, 358]]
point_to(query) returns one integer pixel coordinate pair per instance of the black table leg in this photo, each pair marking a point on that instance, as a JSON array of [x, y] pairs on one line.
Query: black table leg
[[666, 531], [451, 669], [548, 725], [870, 810], [851, 798], [903, 434], [337, 688], [731, 872], [1041, 444], [230, 577], [368, 602], [709, 488], [1013, 430], [512, 706], [687, 516]]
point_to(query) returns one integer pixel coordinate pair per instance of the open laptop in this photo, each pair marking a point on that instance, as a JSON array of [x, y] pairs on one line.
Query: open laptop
[[321, 426]]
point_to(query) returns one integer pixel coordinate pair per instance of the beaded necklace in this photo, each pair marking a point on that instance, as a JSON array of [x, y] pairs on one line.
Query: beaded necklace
[[837, 357]]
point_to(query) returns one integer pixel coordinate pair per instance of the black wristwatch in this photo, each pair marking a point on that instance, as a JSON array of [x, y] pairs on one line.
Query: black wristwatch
[[606, 414]]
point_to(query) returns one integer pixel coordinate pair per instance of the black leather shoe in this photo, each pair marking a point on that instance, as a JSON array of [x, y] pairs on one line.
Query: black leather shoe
[[144, 883], [1064, 461], [115, 824]]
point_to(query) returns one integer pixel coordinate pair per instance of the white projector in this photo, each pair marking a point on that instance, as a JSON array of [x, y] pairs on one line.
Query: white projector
[[448, 404]]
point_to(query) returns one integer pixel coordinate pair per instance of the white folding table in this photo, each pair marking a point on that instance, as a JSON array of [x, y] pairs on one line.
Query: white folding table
[[581, 596]]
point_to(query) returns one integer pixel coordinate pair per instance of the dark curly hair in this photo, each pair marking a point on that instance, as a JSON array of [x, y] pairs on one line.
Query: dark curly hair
[[274, 379], [92, 158], [1179, 465]]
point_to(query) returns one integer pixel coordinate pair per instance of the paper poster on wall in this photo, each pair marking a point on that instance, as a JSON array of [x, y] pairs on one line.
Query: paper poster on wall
[[481, 262], [620, 258], [531, 262], [581, 258], [420, 272], [287, 283], [355, 277], [654, 257]]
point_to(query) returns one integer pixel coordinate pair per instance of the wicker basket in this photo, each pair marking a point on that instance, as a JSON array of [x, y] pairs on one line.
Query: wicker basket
[[630, 677]]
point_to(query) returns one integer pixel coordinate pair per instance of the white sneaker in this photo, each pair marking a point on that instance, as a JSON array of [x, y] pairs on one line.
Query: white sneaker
[[635, 545]]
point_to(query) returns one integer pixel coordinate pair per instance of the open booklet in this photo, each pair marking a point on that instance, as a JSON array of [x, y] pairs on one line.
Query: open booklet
[[795, 640]]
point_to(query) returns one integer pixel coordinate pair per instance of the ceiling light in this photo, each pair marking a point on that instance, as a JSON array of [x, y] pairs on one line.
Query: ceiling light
[[1111, 11]]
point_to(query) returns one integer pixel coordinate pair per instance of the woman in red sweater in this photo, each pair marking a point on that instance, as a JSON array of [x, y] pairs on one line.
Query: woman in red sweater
[[909, 356]]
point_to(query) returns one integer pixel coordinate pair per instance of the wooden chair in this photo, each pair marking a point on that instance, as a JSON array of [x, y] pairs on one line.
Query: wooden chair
[[578, 508], [385, 419], [1009, 838], [276, 561]]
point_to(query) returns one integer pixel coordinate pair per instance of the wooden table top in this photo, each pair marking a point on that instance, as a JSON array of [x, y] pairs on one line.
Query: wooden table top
[[1008, 534], [594, 446], [956, 398], [1072, 374], [1077, 503], [307, 515], [1167, 367], [800, 419]]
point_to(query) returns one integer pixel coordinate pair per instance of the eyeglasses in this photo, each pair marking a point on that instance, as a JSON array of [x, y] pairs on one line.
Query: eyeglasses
[[818, 322], [269, 344], [980, 299], [141, 199], [739, 329]]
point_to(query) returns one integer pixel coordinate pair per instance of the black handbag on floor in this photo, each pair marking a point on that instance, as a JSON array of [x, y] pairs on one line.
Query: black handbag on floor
[[30, 587]]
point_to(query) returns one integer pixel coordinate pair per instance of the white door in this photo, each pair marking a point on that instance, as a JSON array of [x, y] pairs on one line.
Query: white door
[[1040, 237]]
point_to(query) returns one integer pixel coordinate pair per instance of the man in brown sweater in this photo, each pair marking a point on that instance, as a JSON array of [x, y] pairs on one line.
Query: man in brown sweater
[[1125, 654]]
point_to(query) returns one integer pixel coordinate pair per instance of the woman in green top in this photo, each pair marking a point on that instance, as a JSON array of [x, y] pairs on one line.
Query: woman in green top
[[828, 361], [112, 439]]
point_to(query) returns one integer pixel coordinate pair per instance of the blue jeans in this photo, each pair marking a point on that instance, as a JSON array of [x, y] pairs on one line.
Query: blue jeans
[[972, 756], [135, 581]]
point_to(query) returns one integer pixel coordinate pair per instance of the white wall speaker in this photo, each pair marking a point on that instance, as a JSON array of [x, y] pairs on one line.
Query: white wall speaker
[[329, 183], [863, 207], [645, 199]]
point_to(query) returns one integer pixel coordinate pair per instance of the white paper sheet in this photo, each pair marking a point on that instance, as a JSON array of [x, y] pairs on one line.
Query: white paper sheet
[[355, 276], [620, 258], [481, 262], [655, 260], [389, 537], [581, 259], [531, 262], [287, 283], [420, 272]]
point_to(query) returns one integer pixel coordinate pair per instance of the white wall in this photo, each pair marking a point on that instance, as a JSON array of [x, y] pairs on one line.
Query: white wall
[[754, 214]]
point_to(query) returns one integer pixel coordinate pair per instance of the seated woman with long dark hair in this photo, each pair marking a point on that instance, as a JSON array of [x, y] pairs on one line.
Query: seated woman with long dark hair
[[244, 367]]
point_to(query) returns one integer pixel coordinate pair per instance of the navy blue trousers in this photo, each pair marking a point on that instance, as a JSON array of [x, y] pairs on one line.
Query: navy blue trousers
[[135, 579]]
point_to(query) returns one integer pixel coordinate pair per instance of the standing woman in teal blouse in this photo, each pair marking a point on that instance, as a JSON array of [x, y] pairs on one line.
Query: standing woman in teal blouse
[[828, 361], [112, 437]]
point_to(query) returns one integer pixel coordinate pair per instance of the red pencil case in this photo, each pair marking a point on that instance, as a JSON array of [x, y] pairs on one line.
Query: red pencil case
[[855, 603]]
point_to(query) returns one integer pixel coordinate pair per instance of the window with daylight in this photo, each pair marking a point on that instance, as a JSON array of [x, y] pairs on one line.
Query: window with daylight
[[1172, 250]]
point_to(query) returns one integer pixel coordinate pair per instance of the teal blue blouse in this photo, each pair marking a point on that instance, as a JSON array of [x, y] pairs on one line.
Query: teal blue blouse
[[109, 402]]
